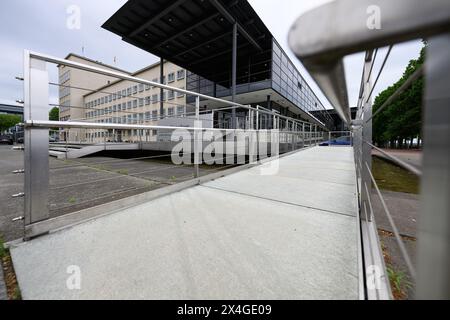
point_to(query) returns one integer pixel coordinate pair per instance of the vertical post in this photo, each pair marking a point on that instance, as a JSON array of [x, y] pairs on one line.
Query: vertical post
[[233, 75], [36, 165], [257, 117], [197, 138], [315, 134], [366, 133], [161, 91], [433, 278]]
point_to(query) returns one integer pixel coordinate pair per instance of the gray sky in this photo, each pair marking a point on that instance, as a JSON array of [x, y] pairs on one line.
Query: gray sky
[[40, 25]]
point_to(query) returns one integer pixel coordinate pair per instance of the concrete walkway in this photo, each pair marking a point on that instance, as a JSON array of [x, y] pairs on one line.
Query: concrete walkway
[[288, 235]]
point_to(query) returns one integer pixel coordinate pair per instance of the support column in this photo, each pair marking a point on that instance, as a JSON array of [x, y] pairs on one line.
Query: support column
[[233, 75], [161, 91]]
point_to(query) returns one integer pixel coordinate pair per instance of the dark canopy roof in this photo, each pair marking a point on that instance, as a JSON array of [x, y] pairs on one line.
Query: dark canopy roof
[[194, 34]]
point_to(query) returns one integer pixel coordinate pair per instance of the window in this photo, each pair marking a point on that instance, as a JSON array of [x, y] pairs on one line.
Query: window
[[141, 116], [170, 111], [141, 102], [135, 103], [180, 94], [147, 116], [124, 93], [110, 98], [124, 106], [147, 100], [180, 111], [102, 100], [154, 98], [114, 97], [171, 77], [155, 80], [163, 80], [129, 105], [118, 95], [171, 94], [155, 115], [147, 87], [180, 74], [129, 92], [135, 89]]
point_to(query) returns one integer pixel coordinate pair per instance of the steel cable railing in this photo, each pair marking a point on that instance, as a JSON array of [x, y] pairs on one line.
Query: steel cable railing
[[258, 126], [322, 51]]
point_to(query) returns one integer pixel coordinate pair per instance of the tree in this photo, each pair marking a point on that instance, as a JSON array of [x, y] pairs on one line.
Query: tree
[[8, 120], [53, 115], [401, 119]]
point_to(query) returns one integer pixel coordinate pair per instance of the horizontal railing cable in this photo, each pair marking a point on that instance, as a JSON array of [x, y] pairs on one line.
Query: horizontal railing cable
[[397, 161], [379, 73], [395, 231], [416, 75]]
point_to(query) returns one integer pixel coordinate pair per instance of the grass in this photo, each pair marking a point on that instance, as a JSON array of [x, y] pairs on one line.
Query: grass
[[12, 286], [398, 281], [3, 251], [72, 200], [123, 171], [393, 178]]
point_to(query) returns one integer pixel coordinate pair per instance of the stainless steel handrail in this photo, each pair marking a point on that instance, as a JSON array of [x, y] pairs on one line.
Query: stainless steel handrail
[[341, 28]]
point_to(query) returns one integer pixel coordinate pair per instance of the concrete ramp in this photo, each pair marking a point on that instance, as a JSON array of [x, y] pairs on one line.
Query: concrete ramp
[[288, 235]]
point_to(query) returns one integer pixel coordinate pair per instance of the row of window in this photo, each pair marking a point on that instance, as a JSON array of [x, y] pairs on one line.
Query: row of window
[[64, 77], [144, 116], [135, 89], [64, 92], [105, 134], [133, 104]]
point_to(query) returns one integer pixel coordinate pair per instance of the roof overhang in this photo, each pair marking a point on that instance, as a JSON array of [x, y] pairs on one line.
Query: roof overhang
[[194, 34]]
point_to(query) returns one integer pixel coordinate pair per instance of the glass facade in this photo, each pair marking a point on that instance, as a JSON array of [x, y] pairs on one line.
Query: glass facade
[[288, 82], [268, 70]]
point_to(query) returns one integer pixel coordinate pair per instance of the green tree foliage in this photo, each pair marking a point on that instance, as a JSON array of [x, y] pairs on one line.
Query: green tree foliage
[[8, 120], [402, 118], [53, 115]]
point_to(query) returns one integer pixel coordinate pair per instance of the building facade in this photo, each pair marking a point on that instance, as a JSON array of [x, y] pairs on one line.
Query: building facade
[[96, 98]]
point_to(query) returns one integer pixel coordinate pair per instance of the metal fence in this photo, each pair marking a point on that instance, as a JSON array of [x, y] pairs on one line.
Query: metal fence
[[262, 134], [322, 51]]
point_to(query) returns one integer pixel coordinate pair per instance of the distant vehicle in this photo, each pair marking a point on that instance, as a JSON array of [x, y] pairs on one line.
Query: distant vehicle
[[6, 139], [341, 141], [53, 139]]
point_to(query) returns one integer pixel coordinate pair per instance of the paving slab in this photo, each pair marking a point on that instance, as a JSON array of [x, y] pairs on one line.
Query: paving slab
[[207, 243]]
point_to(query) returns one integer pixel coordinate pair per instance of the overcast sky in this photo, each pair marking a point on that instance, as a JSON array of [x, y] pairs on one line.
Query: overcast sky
[[40, 25]]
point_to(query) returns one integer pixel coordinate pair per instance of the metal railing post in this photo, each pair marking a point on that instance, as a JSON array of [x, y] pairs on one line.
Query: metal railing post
[[366, 156], [197, 138], [36, 140], [257, 117], [433, 281]]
